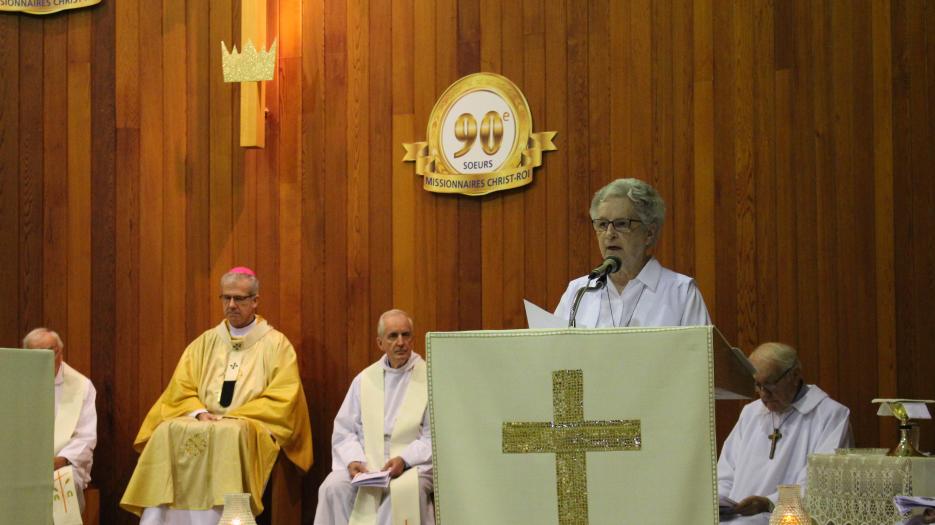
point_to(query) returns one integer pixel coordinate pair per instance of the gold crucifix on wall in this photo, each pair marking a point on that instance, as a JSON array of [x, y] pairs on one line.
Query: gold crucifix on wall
[[251, 68], [570, 438]]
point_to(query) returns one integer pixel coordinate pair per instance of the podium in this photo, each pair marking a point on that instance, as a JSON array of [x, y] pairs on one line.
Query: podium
[[578, 426], [27, 419]]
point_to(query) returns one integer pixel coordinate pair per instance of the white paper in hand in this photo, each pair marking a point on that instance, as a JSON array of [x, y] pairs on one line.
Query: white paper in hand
[[536, 317], [380, 479]]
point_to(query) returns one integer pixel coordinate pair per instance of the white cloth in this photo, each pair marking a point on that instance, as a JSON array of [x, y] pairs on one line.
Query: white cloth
[[80, 449], [814, 424], [656, 297], [163, 515], [336, 495]]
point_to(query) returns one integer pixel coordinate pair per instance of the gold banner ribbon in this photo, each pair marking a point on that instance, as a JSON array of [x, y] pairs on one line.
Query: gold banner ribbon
[[479, 183], [44, 7]]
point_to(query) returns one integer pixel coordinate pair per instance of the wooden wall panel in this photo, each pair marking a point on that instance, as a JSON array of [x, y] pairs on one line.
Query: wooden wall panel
[[792, 141]]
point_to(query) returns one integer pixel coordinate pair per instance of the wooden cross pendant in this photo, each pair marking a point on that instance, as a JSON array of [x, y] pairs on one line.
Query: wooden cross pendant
[[774, 437]]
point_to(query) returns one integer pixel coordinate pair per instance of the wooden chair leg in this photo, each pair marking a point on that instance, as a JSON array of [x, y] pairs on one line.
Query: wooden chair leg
[[92, 506], [286, 496]]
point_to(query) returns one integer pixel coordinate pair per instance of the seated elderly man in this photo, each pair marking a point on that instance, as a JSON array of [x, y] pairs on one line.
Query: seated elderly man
[[383, 424], [75, 414], [771, 441], [234, 401]]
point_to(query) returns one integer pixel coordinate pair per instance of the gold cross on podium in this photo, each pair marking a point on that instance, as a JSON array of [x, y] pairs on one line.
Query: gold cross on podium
[[570, 437]]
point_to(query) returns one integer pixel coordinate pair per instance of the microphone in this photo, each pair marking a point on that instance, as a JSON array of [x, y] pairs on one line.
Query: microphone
[[610, 265]]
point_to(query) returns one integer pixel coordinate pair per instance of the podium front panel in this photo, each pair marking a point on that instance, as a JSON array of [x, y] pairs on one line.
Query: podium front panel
[[27, 419], [604, 426]]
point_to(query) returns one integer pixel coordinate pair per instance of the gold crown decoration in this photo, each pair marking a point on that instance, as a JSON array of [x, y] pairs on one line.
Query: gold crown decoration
[[249, 66]]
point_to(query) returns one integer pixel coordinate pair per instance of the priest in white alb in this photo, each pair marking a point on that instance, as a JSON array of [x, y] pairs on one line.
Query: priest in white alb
[[383, 425], [770, 444], [75, 414], [627, 217], [234, 401]]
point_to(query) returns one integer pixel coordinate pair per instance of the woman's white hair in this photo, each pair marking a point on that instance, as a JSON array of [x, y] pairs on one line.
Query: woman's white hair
[[649, 206]]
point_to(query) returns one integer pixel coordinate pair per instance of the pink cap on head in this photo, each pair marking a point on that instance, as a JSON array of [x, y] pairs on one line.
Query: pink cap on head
[[242, 269]]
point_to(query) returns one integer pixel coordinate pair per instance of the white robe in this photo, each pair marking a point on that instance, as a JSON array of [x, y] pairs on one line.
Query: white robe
[[336, 495], [814, 424], [80, 448], [656, 297]]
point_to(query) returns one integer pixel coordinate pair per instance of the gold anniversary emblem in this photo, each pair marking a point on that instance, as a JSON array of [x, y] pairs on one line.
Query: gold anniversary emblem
[[479, 139]]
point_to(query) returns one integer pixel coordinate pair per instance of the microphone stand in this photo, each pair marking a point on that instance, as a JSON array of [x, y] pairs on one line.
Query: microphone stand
[[597, 284]]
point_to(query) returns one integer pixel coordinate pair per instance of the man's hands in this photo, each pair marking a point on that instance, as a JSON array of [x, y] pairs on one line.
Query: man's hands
[[208, 416], [59, 462], [396, 466], [752, 505], [356, 467]]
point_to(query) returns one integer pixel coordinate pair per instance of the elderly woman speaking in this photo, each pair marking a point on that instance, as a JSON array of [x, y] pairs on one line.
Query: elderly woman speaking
[[627, 216]]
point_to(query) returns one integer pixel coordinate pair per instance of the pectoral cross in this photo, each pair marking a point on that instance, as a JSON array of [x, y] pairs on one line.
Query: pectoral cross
[[774, 437]]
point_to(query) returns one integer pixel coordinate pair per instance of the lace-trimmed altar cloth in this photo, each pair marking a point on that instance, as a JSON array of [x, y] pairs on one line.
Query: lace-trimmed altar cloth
[[858, 489]]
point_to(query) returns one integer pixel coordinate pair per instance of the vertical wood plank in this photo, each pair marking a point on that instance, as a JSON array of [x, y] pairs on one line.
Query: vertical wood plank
[[335, 173], [804, 169], [423, 233], [764, 174], [151, 187], [290, 155], [175, 158], [725, 218], [198, 285], [442, 229], [514, 249], [682, 194], [536, 219], [822, 363], [661, 154], [884, 223], [384, 156], [703, 153], [744, 165], [555, 172], [491, 215], [640, 86], [127, 247], [580, 246], [103, 201], [323, 370], [30, 174], [9, 175], [359, 342], [267, 184], [405, 182], [78, 351], [470, 238], [221, 152], [55, 181]]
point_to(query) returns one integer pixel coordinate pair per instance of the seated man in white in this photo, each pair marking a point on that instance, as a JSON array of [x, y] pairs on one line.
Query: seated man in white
[[770, 444], [75, 414], [383, 424]]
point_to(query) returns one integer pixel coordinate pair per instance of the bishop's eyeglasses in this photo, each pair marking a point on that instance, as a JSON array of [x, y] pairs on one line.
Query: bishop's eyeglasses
[[239, 299]]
